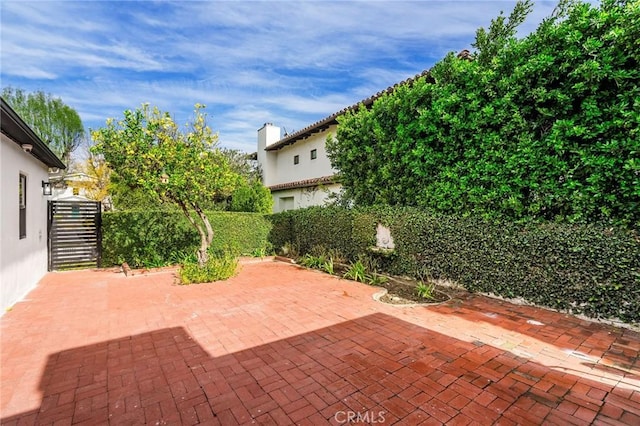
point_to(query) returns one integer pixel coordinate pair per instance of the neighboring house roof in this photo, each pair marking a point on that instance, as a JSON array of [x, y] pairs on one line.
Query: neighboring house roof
[[17, 130], [305, 183], [324, 124]]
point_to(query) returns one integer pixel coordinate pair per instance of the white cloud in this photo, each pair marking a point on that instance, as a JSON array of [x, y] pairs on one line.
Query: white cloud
[[290, 63]]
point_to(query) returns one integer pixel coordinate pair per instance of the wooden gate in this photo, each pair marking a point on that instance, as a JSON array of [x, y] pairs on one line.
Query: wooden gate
[[75, 234]]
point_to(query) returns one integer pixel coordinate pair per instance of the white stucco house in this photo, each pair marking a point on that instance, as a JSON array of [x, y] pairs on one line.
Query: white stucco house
[[296, 167], [24, 168], [70, 186]]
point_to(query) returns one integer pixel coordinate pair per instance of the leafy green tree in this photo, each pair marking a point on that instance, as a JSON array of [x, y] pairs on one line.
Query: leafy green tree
[[543, 128], [56, 123], [242, 163], [147, 151], [252, 197], [490, 43]]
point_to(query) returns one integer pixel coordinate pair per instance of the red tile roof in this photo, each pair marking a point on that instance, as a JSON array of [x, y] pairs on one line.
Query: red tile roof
[[305, 183]]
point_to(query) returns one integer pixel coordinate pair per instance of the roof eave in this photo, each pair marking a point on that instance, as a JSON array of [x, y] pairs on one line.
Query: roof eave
[[18, 131]]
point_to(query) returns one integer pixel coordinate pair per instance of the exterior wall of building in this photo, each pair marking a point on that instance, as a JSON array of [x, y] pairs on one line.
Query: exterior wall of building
[[72, 188], [278, 167], [298, 198], [23, 262], [267, 135], [307, 168]]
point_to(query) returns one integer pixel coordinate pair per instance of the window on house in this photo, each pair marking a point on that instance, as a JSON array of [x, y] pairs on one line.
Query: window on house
[[314, 154], [296, 159], [22, 205]]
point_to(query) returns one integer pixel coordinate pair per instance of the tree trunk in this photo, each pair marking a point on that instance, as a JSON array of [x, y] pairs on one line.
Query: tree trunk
[[205, 237], [203, 255]]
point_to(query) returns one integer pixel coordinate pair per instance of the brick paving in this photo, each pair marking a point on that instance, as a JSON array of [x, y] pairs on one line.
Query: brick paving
[[280, 345]]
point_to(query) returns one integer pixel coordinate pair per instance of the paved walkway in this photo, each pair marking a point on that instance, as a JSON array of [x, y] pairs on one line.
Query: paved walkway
[[281, 345]]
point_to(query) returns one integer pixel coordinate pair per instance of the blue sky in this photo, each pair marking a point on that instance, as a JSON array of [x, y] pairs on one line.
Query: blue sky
[[286, 62]]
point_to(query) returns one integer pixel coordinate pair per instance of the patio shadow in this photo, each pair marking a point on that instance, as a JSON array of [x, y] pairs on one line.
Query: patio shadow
[[376, 369]]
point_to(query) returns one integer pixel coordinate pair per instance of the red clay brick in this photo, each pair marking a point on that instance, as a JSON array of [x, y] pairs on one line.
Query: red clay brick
[[151, 358]]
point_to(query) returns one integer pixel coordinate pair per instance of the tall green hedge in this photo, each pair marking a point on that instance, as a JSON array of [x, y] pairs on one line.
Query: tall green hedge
[[579, 268], [154, 238], [546, 129]]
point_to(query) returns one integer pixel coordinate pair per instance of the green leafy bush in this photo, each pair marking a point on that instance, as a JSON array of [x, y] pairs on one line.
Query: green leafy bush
[[545, 128], [425, 290], [218, 267], [331, 228], [157, 238], [311, 261], [357, 272], [321, 261], [252, 197], [587, 269]]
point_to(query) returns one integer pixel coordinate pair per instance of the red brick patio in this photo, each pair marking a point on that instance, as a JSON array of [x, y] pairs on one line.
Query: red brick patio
[[281, 345]]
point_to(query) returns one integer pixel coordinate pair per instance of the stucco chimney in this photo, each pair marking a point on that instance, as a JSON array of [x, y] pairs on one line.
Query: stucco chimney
[[268, 134]]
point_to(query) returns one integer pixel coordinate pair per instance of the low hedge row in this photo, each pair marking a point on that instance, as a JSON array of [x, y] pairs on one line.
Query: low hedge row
[[156, 238], [579, 268]]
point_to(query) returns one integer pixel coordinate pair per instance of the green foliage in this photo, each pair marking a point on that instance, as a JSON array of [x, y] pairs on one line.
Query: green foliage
[[157, 238], [148, 151], [362, 270], [490, 43], [587, 269], [328, 266], [425, 290], [311, 261], [56, 123], [217, 268], [308, 228], [546, 128], [252, 197], [242, 164], [357, 272], [322, 262]]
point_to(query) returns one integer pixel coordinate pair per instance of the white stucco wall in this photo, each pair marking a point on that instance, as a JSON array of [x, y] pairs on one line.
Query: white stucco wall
[[307, 168], [268, 135], [23, 262], [299, 198]]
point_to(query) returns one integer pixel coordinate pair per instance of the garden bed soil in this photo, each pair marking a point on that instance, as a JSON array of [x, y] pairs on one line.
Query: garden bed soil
[[401, 293], [402, 290]]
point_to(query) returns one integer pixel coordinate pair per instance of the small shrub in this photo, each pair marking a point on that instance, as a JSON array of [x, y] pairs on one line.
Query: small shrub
[[217, 268], [376, 279], [311, 261], [357, 272], [425, 290], [260, 252], [328, 266]]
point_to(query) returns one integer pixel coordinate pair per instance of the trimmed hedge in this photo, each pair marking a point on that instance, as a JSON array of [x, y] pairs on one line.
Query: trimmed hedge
[[579, 268], [332, 228], [155, 238]]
